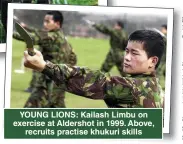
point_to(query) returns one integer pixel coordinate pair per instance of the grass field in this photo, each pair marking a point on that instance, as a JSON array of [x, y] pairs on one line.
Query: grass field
[[90, 52]]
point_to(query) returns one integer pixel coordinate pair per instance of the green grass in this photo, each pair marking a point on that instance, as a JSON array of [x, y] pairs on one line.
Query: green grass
[[83, 2], [90, 52]]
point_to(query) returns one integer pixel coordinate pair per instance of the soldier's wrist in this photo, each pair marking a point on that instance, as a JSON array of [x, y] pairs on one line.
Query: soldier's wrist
[[42, 66], [47, 68]]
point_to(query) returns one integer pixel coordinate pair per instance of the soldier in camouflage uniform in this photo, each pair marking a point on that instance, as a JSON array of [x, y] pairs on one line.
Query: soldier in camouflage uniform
[[118, 42], [142, 56], [56, 49], [4, 8], [162, 68]]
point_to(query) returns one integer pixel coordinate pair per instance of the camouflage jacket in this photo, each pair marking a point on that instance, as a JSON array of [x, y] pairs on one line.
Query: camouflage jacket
[[118, 38], [52, 44], [135, 91], [2, 33], [163, 59]]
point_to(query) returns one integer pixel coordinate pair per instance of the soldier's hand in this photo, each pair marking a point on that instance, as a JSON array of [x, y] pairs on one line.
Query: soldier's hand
[[23, 24], [35, 62]]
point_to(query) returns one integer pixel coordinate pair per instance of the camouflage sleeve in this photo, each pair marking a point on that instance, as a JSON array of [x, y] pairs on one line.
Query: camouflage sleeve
[[17, 36], [31, 29], [72, 57], [106, 30], [88, 83], [35, 38], [125, 39]]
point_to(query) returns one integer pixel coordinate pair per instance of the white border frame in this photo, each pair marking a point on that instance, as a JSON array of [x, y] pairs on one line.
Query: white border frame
[[3, 45], [113, 10], [102, 2]]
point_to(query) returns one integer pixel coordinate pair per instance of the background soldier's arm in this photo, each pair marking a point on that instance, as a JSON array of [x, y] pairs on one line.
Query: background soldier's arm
[[30, 29], [72, 57], [125, 39], [35, 38], [87, 83], [17, 36], [106, 30]]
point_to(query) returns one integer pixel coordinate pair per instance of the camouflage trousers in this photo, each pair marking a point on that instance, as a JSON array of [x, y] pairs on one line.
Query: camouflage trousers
[[45, 94], [114, 59], [33, 80]]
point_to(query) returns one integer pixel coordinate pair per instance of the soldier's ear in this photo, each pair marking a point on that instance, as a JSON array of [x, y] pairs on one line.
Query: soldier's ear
[[59, 24], [153, 61]]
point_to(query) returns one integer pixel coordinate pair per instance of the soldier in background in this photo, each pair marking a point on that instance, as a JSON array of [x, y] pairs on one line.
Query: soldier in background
[[164, 29], [162, 68], [4, 8], [118, 42], [142, 57], [56, 49]]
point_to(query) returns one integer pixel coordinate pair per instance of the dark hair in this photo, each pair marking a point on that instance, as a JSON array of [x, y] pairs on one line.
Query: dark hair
[[120, 23], [154, 44], [57, 16], [164, 26]]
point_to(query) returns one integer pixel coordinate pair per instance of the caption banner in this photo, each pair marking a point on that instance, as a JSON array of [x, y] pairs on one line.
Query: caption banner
[[83, 123]]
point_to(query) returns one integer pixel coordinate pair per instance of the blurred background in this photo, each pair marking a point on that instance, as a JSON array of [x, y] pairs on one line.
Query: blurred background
[[75, 25], [90, 46]]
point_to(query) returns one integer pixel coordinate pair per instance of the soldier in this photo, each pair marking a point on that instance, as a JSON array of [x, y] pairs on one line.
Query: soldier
[[162, 68], [118, 42], [4, 8], [142, 57], [164, 29], [56, 49]]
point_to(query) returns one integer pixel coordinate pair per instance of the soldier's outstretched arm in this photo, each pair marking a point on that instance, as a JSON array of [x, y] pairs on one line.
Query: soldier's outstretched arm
[[34, 31], [35, 38], [106, 30], [82, 81], [17, 36], [102, 28], [30, 29]]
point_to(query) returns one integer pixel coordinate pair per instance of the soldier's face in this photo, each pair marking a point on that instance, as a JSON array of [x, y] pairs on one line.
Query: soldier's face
[[117, 27], [163, 30], [136, 60], [49, 23]]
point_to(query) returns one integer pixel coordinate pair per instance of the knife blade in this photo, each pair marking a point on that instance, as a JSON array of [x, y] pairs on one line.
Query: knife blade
[[27, 38]]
